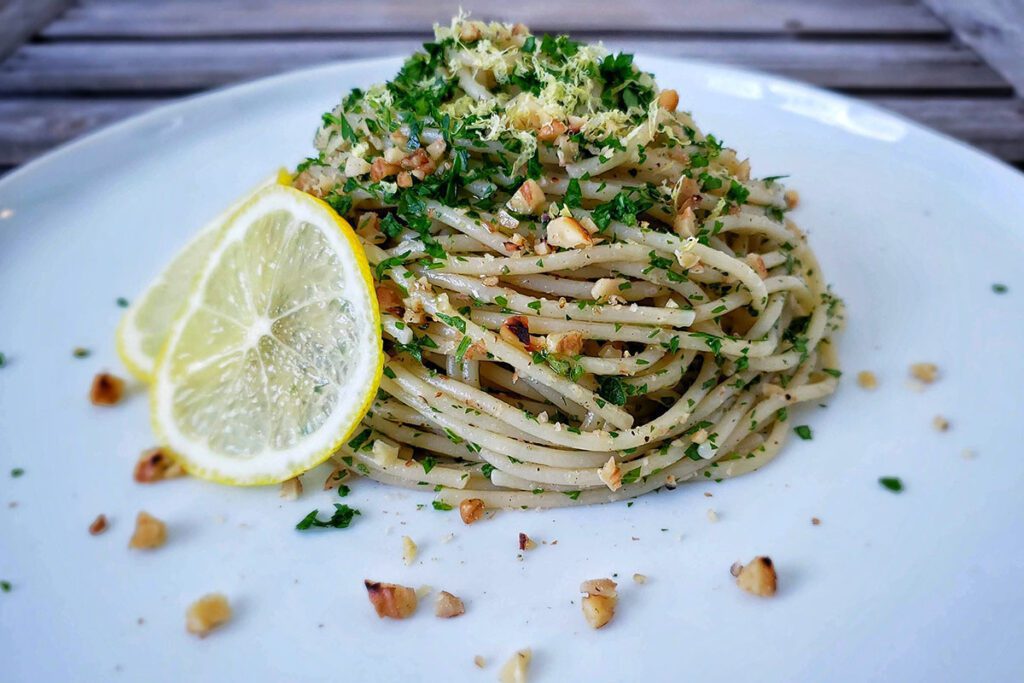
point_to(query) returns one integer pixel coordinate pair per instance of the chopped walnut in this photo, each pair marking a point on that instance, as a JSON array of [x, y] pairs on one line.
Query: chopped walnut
[[99, 525], [409, 550], [566, 343], [291, 489], [528, 199], [668, 100], [867, 380], [792, 198], [568, 233], [391, 600], [516, 668], [516, 330], [815, 521], [758, 577], [404, 179], [480, 662], [389, 300], [471, 510], [685, 223], [356, 166], [551, 130], [541, 248], [155, 465], [381, 169], [940, 423], [599, 603], [106, 390], [369, 228], [611, 475], [525, 542], [926, 372], [436, 148], [337, 475], [150, 532], [207, 613], [448, 606]]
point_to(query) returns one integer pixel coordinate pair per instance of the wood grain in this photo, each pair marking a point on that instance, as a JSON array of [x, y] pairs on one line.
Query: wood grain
[[166, 67], [20, 19], [994, 28], [192, 18], [29, 127]]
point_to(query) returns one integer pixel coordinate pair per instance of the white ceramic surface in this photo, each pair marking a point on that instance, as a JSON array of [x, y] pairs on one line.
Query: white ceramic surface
[[911, 228]]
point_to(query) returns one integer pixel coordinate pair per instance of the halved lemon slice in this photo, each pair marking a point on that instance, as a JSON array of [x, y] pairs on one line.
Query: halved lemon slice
[[276, 353], [144, 327]]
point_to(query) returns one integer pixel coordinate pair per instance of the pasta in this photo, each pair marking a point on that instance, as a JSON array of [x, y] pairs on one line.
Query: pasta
[[585, 298]]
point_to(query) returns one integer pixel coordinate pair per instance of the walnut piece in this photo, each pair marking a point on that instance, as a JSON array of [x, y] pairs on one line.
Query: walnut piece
[[528, 199], [926, 372], [391, 600], [668, 100], [448, 606], [99, 525], [611, 475], [150, 532], [758, 577], [599, 603], [206, 614], [156, 465], [291, 489], [106, 390], [409, 550], [867, 380], [568, 233], [516, 668], [471, 510]]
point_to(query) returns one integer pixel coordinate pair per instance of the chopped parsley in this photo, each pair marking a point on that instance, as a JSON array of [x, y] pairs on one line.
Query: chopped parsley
[[341, 518], [894, 484], [804, 432]]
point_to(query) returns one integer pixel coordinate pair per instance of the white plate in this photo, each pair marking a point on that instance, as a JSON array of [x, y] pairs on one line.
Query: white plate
[[912, 229]]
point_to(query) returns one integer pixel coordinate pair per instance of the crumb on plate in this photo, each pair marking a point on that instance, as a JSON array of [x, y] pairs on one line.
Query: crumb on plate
[[99, 525], [448, 606], [149, 533], [757, 577], [391, 600], [106, 390], [206, 614], [867, 380]]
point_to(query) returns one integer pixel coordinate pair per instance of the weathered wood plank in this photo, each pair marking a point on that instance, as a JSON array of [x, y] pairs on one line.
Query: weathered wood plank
[[171, 18], [20, 19], [994, 28], [29, 127], [184, 66]]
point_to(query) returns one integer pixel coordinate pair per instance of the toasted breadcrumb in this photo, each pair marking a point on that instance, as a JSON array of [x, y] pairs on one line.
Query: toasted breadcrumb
[[639, 578], [867, 380], [758, 577], [206, 614], [409, 550], [291, 489], [448, 606], [940, 423], [150, 532], [480, 662], [516, 668], [925, 372], [792, 198], [712, 515], [106, 390], [815, 521], [391, 600], [99, 525]]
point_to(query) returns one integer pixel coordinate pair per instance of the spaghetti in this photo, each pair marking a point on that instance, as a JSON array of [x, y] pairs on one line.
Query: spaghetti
[[585, 298]]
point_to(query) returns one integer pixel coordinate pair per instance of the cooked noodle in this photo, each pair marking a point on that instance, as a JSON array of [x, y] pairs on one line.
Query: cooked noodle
[[585, 298]]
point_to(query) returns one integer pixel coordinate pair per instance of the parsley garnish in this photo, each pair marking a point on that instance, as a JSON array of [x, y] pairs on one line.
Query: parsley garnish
[[894, 484], [341, 518], [804, 432]]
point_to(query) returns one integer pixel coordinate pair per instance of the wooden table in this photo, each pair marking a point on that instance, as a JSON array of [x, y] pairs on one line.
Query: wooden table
[[71, 66]]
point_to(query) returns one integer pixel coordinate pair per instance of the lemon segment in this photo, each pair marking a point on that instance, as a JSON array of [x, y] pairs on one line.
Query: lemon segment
[[143, 328], [277, 352]]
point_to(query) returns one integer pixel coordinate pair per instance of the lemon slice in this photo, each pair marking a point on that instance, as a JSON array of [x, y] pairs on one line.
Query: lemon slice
[[144, 327], [276, 353]]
